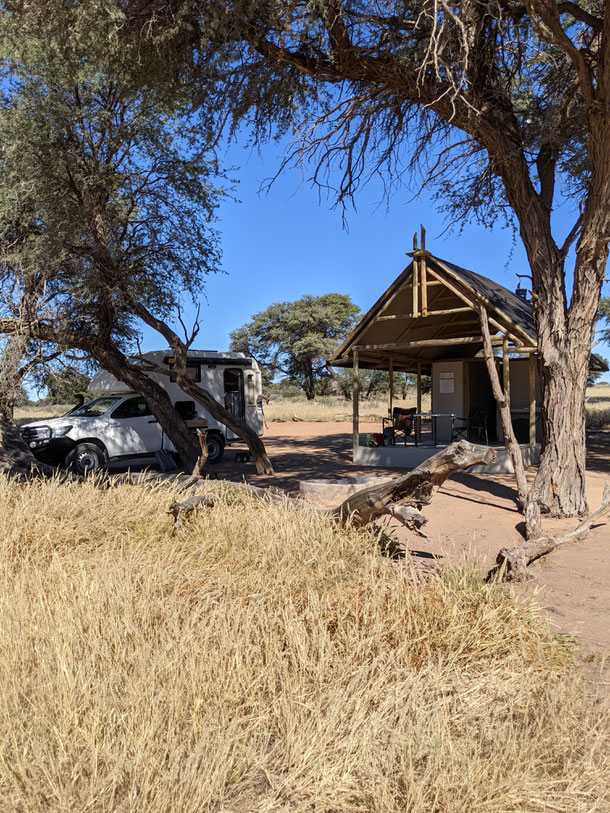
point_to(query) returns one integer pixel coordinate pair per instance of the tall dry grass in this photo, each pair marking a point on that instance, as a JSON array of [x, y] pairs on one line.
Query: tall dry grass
[[598, 406], [327, 408], [330, 408], [264, 660], [31, 412]]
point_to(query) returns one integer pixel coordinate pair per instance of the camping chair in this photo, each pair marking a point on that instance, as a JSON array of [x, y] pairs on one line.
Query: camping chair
[[474, 427], [400, 425]]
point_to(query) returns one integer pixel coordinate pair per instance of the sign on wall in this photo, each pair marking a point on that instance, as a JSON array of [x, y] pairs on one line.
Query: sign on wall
[[446, 382]]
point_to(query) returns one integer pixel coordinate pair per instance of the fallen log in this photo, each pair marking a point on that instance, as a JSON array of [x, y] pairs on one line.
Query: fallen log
[[511, 563], [401, 497], [415, 487]]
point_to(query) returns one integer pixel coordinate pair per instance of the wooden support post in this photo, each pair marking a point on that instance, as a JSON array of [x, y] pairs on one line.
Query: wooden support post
[[415, 280], [391, 387], [532, 382], [424, 275], [418, 422], [506, 370], [356, 401]]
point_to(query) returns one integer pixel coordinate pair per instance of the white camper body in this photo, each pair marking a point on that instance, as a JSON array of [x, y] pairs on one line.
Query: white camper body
[[118, 424]]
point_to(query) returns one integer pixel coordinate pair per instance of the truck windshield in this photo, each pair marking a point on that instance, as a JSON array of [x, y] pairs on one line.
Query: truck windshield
[[96, 407]]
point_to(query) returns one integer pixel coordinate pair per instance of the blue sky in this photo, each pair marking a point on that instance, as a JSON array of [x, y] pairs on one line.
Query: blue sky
[[281, 244]]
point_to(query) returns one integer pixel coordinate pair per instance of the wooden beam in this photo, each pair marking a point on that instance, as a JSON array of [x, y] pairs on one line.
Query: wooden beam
[[506, 370], [415, 322], [427, 343], [391, 387], [424, 275], [418, 402], [524, 350], [465, 299], [481, 298], [445, 312], [415, 280], [355, 401], [532, 388]]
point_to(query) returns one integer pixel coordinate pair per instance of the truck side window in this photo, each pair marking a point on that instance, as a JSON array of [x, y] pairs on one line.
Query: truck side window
[[251, 392], [132, 408]]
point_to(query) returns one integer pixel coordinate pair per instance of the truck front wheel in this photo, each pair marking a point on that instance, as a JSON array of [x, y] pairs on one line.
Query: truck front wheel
[[216, 448], [86, 458]]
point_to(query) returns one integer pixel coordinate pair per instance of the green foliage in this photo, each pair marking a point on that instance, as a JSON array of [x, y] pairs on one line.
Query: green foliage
[[22, 398], [295, 338], [106, 197], [64, 385]]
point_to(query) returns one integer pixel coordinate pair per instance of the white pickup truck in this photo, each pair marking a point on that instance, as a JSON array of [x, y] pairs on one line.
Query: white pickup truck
[[119, 426]]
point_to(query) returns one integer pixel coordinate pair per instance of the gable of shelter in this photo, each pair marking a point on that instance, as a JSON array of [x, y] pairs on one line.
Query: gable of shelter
[[430, 314]]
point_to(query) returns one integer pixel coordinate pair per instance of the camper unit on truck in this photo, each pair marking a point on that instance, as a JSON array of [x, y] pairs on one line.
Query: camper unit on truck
[[118, 425]]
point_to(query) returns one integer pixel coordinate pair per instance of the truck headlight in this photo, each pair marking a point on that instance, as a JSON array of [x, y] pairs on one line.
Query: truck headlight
[[60, 431], [43, 432]]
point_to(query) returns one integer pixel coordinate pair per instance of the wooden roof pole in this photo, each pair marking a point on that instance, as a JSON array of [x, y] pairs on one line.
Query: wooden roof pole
[[464, 298], [424, 275], [391, 387], [418, 421], [415, 278], [532, 388], [454, 340], [356, 404], [506, 369]]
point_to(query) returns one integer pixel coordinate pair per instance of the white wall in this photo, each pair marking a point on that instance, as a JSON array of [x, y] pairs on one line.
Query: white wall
[[447, 402]]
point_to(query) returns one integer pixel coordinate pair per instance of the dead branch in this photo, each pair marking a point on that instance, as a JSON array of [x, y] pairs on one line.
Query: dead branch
[[503, 403], [512, 562], [197, 472]]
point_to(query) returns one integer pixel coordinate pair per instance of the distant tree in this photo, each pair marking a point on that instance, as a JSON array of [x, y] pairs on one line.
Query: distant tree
[[294, 339], [64, 385]]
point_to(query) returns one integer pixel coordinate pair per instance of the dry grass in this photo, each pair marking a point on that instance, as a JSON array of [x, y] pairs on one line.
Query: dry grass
[[32, 412], [264, 660], [338, 409], [334, 409], [598, 406]]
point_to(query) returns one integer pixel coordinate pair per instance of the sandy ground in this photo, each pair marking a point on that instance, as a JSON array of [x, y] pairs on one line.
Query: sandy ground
[[471, 516]]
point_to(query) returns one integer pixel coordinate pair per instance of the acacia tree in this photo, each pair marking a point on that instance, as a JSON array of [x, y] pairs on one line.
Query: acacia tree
[[296, 338], [509, 102], [106, 200]]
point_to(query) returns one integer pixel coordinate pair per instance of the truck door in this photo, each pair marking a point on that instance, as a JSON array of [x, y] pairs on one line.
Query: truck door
[[134, 428], [233, 395]]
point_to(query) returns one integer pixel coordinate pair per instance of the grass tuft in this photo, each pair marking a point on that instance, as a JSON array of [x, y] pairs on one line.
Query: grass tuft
[[264, 660]]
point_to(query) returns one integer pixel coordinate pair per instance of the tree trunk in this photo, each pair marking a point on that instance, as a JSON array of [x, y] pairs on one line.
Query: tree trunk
[[158, 400], [560, 483], [240, 428], [309, 388], [216, 410], [16, 459], [343, 389]]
